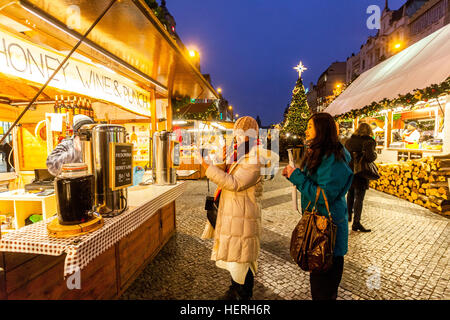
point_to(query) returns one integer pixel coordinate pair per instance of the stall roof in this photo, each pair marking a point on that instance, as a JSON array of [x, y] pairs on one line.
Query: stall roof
[[195, 107], [424, 63], [129, 39]]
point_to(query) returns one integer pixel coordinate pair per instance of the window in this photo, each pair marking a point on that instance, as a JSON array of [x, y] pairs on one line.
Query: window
[[420, 129]]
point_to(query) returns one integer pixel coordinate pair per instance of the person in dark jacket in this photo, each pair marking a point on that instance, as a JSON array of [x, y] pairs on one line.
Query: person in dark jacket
[[68, 150], [325, 165], [6, 148], [360, 144]]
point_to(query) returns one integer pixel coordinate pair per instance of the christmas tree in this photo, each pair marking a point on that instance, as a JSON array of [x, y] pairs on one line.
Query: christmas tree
[[298, 113]]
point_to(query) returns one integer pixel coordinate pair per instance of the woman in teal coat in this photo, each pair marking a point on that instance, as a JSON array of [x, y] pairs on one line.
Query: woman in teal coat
[[325, 165]]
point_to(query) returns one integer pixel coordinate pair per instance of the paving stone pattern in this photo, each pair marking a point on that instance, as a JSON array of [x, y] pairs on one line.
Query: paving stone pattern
[[406, 256]]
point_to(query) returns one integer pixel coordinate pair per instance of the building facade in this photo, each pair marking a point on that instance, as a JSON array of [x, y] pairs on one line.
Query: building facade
[[329, 82], [392, 37], [432, 16]]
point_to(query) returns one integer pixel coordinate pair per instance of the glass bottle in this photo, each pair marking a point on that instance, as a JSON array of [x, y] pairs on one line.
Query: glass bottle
[[91, 110], [56, 106], [62, 108]]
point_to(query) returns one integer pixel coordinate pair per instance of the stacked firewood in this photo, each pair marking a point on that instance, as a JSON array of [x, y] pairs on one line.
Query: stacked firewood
[[423, 182]]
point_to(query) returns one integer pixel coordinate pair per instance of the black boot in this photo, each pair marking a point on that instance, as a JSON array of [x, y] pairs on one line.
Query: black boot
[[231, 294], [359, 227], [247, 288], [240, 291]]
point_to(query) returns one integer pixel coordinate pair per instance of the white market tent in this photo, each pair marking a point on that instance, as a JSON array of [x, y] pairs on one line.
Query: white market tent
[[424, 63]]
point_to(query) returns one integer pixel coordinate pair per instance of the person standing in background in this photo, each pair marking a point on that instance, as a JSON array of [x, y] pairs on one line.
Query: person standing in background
[[360, 145], [411, 135], [8, 152]]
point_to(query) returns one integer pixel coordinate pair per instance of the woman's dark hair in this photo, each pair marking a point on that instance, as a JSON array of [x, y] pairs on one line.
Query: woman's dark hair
[[325, 143], [364, 129]]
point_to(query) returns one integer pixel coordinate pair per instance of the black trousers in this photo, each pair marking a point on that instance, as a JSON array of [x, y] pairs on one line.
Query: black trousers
[[245, 290], [324, 286], [355, 198]]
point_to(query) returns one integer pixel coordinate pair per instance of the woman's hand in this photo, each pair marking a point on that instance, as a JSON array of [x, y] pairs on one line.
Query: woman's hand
[[199, 159], [287, 171]]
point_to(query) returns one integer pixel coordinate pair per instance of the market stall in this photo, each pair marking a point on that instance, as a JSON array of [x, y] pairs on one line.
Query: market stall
[[130, 99], [406, 101], [206, 136], [102, 263]]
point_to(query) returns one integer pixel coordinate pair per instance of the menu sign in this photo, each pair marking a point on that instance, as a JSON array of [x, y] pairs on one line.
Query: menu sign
[[121, 169]]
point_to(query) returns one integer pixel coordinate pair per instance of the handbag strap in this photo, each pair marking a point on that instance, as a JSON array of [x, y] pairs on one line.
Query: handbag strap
[[326, 204], [320, 190], [317, 198]]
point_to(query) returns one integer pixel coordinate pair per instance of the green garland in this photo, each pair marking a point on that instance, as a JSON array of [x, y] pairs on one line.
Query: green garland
[[407, 100], [179, 103]]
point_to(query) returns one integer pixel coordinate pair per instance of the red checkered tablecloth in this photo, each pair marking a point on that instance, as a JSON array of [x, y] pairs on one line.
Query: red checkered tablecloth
[[81, 250]]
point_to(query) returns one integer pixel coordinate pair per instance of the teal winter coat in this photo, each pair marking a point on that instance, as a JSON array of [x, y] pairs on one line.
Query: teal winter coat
[[335, 178]]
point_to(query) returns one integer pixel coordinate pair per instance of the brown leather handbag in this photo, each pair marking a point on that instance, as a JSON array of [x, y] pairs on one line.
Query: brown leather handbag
[[362, 168], [313, 239]]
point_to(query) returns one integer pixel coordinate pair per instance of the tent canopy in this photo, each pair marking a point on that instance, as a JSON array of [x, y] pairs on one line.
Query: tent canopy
[[424, 63]]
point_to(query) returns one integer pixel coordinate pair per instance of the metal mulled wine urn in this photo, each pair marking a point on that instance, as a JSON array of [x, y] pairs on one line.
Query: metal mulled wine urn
[[85, 133], [113, 168], [166, 158]]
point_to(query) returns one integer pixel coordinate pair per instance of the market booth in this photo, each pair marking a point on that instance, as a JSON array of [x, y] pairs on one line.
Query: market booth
[[123, 74], [406, 100], [206, 136]]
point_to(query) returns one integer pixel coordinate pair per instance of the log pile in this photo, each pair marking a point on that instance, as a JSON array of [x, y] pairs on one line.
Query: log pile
[[423, 182]]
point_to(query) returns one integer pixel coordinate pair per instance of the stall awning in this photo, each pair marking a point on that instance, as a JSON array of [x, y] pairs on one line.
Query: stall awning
[[129, 40], [418, 66]]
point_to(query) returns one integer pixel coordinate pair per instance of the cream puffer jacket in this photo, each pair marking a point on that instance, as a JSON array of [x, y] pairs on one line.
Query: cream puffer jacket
[[238, 227]]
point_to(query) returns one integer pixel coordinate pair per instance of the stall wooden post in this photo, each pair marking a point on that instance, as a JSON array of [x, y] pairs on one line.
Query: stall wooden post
[[389, 122], [169, 97], [169, 112], [153, 127], [446, 129], [355, 124]]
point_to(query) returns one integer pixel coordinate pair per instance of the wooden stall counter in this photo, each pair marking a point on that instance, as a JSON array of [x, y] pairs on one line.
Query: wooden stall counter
[[98, 265]]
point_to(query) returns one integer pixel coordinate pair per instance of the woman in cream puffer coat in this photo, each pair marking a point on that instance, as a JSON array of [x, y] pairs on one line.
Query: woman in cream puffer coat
[[238, 227]]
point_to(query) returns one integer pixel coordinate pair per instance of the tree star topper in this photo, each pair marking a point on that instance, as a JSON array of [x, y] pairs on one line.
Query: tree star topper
[[300, 68]]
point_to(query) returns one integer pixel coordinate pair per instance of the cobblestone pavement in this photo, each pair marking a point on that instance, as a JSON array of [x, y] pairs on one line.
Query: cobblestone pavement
[[406, 256]]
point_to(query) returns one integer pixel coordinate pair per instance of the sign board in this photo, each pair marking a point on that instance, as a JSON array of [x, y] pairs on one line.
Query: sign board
[[121, 169], [26, 60]]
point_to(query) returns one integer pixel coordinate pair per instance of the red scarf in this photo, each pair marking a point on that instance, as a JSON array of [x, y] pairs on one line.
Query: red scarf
[[233, 156]]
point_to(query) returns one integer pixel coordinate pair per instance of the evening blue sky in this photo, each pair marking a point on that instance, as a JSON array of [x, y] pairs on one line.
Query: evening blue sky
[[249, 47]]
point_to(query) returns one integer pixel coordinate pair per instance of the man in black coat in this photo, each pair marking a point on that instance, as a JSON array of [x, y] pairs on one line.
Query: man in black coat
[[7, 150], [360, 144]]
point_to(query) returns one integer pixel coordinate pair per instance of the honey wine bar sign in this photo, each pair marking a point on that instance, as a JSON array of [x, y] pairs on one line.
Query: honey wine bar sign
[[23, 59]]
